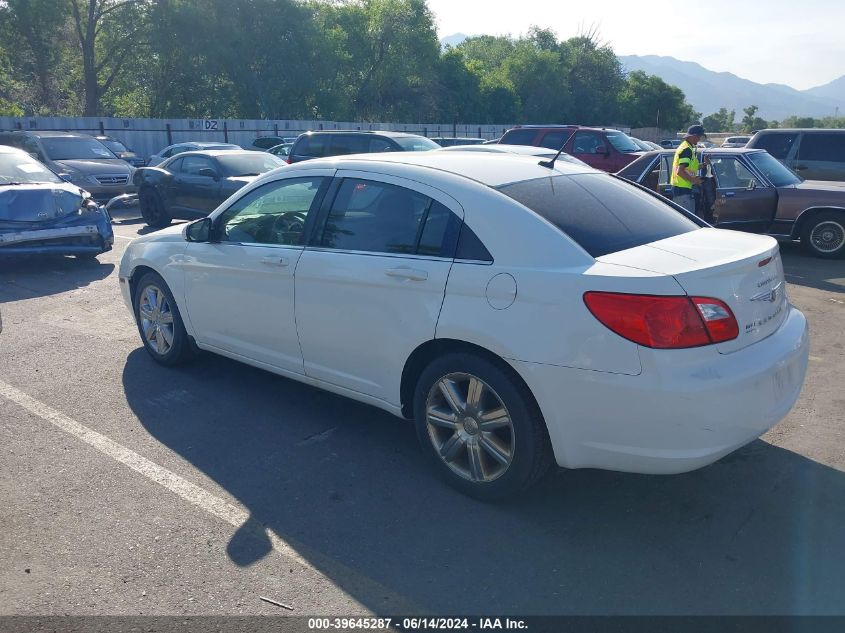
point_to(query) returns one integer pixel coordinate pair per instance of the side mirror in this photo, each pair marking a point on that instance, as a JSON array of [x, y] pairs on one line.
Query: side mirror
[[752, 185], [199, 231], [208, 172], [602, 149]]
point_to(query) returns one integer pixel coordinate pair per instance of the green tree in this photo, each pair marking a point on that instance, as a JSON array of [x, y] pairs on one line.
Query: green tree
[[648, 101], [721, 121], [595, 80]]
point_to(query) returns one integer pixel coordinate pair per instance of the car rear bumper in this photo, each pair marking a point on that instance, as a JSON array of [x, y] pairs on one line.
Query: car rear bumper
[[686, 410]]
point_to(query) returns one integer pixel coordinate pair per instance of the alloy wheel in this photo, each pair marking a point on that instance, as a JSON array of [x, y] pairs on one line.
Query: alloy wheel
[[470, 427], [156, 317]]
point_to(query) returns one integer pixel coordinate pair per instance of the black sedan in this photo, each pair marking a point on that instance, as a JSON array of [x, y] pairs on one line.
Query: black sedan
[[192, 184]]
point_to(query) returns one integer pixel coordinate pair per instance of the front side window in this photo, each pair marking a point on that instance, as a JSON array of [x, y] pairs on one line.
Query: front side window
[[601, 213], [381, 145], [175, 166], [622, 142], [730, 173], [191, 165], [415, 143], [274, 213], [585, 143], [777, 144], [378, 217]]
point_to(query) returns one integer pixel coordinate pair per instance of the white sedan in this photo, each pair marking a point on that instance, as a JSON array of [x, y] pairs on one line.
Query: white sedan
[[520, 314]]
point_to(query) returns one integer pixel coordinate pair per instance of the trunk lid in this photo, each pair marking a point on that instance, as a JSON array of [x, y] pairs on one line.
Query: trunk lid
[[743, 270], [38, 202]]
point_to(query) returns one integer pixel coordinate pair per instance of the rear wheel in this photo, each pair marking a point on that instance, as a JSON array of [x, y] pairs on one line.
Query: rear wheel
[[824, 235], [152, 208], [159, 322], [480, 427]]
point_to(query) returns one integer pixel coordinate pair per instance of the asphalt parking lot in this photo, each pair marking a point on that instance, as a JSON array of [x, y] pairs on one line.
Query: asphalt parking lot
[[127, 488]]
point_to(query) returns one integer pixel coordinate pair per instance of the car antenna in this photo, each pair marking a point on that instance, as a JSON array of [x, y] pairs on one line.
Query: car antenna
[[551, 163]]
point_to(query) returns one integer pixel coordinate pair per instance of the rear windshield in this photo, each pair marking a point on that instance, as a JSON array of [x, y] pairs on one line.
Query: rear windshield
[[777, 144], [599, 212]]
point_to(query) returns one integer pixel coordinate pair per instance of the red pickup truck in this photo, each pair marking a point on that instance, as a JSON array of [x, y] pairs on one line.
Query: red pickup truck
[[602, 148]]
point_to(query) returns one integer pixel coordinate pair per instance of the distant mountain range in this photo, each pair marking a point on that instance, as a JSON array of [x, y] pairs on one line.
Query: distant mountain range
[[708, 90]]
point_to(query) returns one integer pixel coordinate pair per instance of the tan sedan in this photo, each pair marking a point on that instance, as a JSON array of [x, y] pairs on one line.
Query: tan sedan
[[748, 190]]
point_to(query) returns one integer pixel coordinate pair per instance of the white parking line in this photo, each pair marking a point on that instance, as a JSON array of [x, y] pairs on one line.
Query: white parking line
[[192, 493]]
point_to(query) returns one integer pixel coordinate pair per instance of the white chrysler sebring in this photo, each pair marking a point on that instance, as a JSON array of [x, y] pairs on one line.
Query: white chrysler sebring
[[519, 313]]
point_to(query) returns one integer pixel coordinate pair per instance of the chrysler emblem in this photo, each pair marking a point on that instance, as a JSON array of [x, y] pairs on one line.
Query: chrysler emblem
[[769, 295]]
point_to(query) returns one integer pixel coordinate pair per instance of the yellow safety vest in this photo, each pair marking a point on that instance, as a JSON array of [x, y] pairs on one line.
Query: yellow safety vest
[[676, 179]]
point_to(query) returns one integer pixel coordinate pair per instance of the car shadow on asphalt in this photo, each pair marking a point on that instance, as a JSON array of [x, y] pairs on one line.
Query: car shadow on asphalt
[[802, 269], [31, 276], [759, 532]]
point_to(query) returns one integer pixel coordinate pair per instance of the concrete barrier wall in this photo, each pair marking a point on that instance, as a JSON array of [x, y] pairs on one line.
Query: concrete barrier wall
[[148, 136]]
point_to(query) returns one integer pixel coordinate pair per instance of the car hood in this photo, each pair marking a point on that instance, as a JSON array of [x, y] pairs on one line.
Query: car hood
[[91, 166], [173, 233], [822, 185], [39, 202]]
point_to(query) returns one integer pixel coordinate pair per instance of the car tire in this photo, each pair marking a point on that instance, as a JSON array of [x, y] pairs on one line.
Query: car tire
[[152, 208], [499, 461], [159, 322], [824, 235]]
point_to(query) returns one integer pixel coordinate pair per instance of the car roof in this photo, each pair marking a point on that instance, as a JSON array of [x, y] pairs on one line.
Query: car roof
[[389, 133], [217, 152], [51, 133], [523, 150], [782, 130], [488, 168]]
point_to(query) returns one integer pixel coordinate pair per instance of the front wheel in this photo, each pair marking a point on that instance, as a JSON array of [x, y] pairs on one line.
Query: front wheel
[[159, 322], [152, 208], [824, 235], [480, 427]]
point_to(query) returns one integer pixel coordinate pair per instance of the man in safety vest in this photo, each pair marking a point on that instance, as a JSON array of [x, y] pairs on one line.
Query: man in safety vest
[[685, 169]]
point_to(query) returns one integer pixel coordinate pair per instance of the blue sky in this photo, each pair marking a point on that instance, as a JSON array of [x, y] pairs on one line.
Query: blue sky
[[800, 44]]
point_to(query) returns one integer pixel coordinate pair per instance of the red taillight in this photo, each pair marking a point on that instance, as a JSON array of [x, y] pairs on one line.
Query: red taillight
[[664, 322], [287, 160], [718, 318]]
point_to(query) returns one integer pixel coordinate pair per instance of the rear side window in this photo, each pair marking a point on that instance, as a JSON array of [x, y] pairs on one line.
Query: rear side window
[[267, 142], [313, 146], [343, 144], [778, 145], [519, 137], [381, 145], [555, 140], [378, 217], [602, 214], [824, 147]]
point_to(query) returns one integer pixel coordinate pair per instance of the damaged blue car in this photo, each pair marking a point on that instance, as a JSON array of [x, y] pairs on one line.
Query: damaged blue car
[[42, 214]]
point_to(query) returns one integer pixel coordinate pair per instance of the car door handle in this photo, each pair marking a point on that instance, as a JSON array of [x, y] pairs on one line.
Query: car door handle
[[403, 272], [272, 260], [800, 167], [729, 194]]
